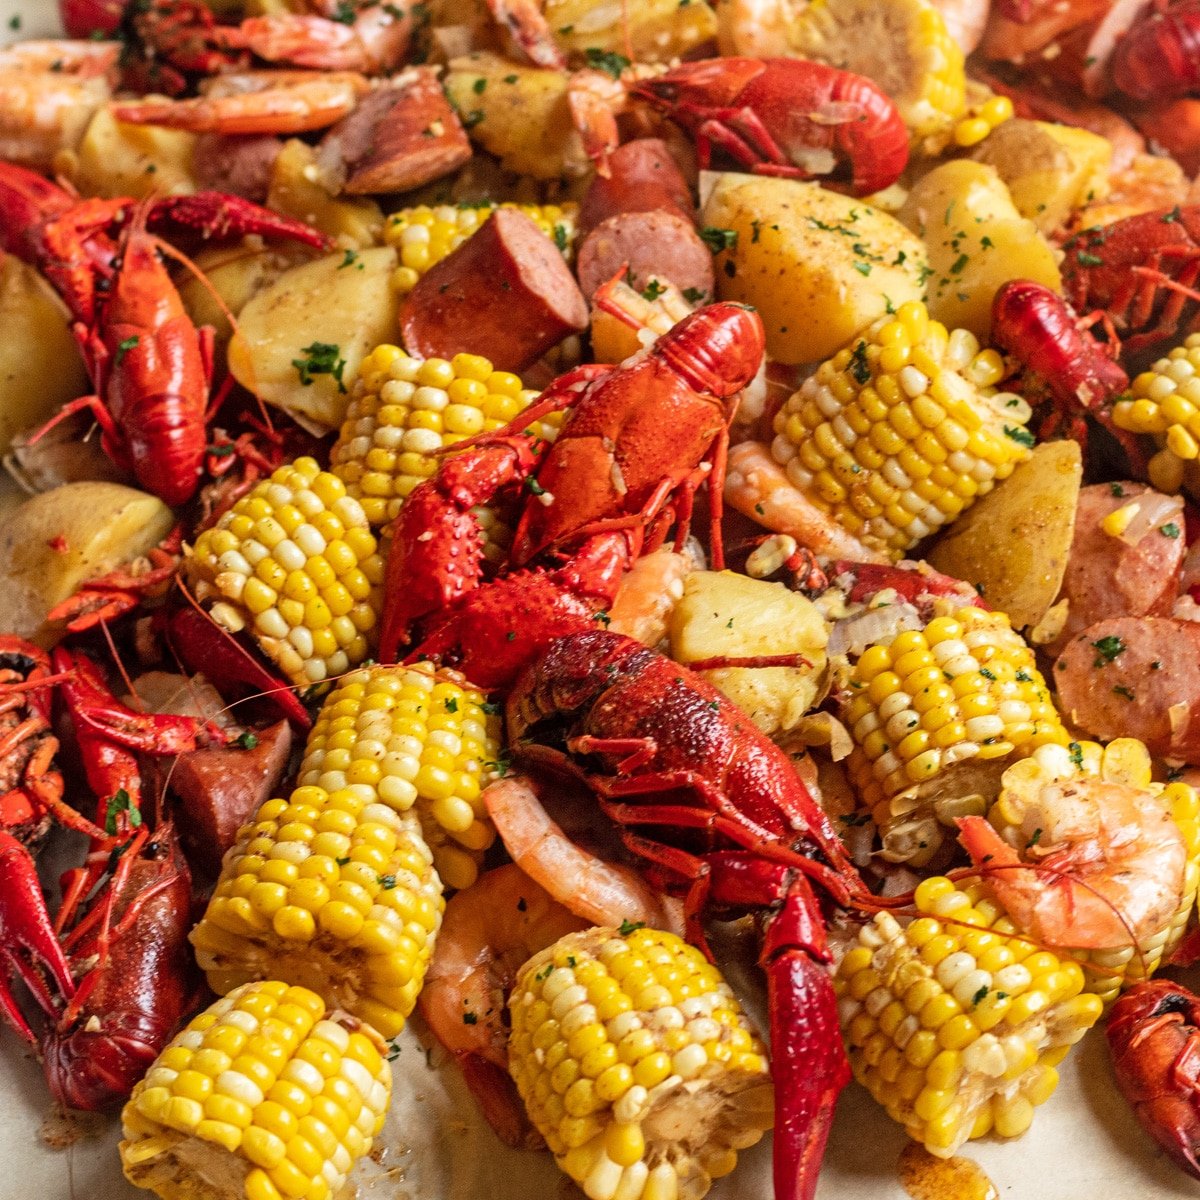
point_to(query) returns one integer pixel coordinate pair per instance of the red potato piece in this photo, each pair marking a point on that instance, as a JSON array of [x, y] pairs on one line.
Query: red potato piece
[[644, 178], [237, 163], [653, 245], [505, 293], [1108, 577], [1110, 686], [399, 137], [219, 788]]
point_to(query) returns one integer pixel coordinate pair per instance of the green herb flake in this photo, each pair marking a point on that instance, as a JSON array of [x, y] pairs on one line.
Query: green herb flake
[[469, 1018], [479, 85], [628, 927], [451, 703], [1089, 260], [123, 348], [120, 802], [694, 295], [1034, 838], [1169, 530], [247, 741], [862, 268], [1122, 690], [1107, 649], [718, 239], [1117, 490], [980, 995], [859, 367], [1075, 751], [652, 290], [607, 61], [1021, 436], [387, 882], [321, 358]]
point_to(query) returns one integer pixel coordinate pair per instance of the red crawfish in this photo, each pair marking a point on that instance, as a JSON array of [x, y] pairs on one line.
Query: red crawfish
[[721, 815], [113, 974], [150, 366], [786, 116], [1154, 1038], [1159, 57], [1059, 362], [1141, 274], [637, 441]]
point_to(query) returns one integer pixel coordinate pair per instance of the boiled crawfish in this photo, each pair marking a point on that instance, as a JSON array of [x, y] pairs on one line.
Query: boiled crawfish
[[786, 116], [720, 814], [116, 985], [1154, 1037], [150, 365], [638, 440]]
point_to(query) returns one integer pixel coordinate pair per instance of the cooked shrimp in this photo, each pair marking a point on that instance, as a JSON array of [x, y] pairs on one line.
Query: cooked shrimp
[[42, 113], [1107, 868], [375, 42], [648, 593], [1150, 182], [488, 933], [527, 23], [82, 59], [757, 486], [255, 102], [601, 892]]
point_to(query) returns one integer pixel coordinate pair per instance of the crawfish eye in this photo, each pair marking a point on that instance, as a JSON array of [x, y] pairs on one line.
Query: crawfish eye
[[1175, 1002]]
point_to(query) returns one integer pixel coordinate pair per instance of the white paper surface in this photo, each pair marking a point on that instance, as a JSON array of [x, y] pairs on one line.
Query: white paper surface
[[1084, 1144]]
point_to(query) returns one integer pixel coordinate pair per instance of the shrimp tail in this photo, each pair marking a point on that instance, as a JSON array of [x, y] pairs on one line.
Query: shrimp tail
[[985, 846], [500, 1103]]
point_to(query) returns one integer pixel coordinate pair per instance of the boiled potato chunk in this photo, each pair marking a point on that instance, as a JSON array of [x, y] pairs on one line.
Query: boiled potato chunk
[[519, 114], [1050, 170], [977, 242], [1013, 544], [297, 189], [651, 30], [95, 526], [818, 266], [40, 366], [726, 614], [118, 159], [234, 274], [299, 341]]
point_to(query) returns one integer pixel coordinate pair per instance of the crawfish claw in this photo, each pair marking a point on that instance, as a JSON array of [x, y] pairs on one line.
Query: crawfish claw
[[28, 945]]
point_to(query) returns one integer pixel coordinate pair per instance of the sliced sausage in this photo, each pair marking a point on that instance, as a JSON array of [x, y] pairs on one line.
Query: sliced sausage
[[653, 245], [643, 178], [1135, 677], [399, 137], [1109, 576], [239, 163], [220, 788], [505, 293]]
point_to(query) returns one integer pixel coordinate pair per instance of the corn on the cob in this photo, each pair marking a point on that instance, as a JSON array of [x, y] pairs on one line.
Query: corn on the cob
[[267, 1095], [935, 714], [1165, 402], [295, 562], [423, 236], [333, 891], [903, 45], [412, 738], [900, 432], [652, 31], [953, 1024], [404, 411], [1124, 761], [636, 1064]]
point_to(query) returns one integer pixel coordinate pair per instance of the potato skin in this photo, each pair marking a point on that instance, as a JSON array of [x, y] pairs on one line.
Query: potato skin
[[1050, 170], [40, 365], [118, 159], [1013, 544], [977, 241], [819, 266], [297, 190], [357, 311], [54, 542]]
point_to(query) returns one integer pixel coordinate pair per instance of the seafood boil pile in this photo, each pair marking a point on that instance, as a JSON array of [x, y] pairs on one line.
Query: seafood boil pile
[[503, 490]]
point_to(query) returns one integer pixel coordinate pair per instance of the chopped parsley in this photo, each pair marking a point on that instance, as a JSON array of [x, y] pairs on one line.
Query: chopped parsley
[[1122, 690], [1170, 530], [718, 239], [321, 358], [1021, 436], [247, 741], [1107, 649], [451, 704], [1076, 753], [120, 802], [123, 348], [694, 295], [628, 927], [607, 61], [859, 367], [652, 290]]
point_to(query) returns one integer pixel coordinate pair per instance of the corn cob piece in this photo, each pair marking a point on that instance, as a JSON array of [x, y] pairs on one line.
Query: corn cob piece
[[404, 411], [416, 739], [653, 31], [903, 45], [901, 431], [264, 1096], [294, 562], [1165, 402], [637, 1064], [953, 1024], [334, 891], [423, 236], [935, 715], [1016, 814]]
